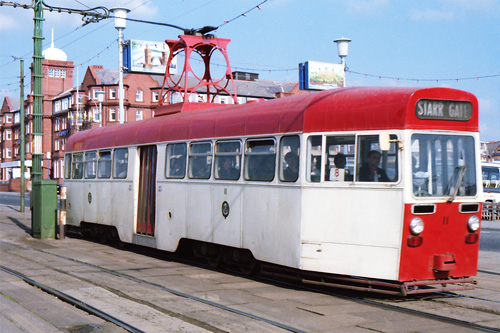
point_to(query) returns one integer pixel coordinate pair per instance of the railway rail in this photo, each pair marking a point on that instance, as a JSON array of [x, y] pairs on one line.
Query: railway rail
[[393, 304]]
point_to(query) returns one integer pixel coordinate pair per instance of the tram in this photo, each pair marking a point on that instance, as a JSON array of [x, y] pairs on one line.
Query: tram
[[378, 188]]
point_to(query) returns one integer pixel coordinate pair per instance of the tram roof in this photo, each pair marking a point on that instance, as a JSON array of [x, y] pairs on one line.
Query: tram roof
[[344, 109]]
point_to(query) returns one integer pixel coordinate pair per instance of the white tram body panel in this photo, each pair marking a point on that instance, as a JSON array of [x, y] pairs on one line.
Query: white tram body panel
[[361, 241], [351, 227]]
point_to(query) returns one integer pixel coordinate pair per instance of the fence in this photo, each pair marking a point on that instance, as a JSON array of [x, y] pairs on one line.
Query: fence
[[491, 211]]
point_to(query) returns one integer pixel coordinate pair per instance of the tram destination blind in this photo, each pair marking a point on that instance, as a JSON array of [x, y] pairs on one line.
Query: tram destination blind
[[431, 109]]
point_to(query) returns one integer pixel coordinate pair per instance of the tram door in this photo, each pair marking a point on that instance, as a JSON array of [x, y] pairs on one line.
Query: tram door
[[146, 210]]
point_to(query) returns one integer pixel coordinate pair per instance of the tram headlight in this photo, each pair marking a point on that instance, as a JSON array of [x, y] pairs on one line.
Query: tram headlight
[[473, 223], [416, 226]]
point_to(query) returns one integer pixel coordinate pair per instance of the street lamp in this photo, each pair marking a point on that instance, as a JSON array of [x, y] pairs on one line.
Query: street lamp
[[120, 15], [342, 48], [100, 99]]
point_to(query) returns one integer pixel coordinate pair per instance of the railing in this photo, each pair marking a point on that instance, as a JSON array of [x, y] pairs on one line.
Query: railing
[[491, 211]]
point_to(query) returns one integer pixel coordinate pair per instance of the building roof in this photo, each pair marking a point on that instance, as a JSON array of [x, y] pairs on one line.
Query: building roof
[[256, 88]]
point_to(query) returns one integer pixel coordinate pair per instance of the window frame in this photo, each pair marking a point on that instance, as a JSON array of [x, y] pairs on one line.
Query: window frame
[[251, 156], [169, 157], [219, 155], [90, 165], [292, 175], [194, 157], [117, 151], [102, 161]]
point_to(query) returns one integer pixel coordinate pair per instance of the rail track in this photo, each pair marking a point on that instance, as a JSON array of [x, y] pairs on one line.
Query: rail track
[[393, 304]]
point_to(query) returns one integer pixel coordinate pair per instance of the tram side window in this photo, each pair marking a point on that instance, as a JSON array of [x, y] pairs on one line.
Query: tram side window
[[90, 164], [120, 163], [200, 160], [313, 163], [77, 172], [176, 160], [289, 158], [376, 165], [104, 164], [227, 160], [67, 166], [260, 159], [339, 163]]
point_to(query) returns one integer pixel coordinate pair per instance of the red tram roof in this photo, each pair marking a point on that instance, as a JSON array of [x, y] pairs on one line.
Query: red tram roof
[[344, 109]]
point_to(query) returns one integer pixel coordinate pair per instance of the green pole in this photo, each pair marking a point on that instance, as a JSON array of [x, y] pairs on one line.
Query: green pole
[[23, 140], [37, 92]]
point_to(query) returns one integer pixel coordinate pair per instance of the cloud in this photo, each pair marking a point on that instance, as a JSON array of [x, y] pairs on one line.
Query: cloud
[[452, 9], [366, 5], [431, 15], [7, 22]]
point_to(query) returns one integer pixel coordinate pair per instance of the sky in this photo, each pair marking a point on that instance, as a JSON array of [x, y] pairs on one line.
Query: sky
[[425, 43]]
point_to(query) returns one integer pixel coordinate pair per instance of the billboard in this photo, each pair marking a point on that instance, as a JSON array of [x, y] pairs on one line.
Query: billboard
[[147, 57], [314, 75]]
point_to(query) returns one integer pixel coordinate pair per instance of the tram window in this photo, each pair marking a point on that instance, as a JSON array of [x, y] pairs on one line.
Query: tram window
[[176, 160], [90, 164], [67, 166], [339, 162], [313, 163], [227, 160], [289, 158], [441, 163], [260, 159], [77, 170], [200, 160], [120, 163], [104, 164], [376, 165]]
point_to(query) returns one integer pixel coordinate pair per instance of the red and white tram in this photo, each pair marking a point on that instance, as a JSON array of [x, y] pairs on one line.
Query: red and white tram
[[377, 186]]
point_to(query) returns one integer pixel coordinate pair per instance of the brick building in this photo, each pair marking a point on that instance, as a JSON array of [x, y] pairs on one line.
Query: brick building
[[67, 109]]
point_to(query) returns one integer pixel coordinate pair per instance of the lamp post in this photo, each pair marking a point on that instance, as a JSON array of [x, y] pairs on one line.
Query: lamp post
[[342, 49], [100, 99], [120, 15]]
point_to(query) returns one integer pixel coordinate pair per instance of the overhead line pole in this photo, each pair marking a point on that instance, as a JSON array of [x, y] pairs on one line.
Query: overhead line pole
[[36, 166]]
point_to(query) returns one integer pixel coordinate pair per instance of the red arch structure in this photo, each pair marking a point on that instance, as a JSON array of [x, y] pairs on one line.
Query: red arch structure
[[188, 82]]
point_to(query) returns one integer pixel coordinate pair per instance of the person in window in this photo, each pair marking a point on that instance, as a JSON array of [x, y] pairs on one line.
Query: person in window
[[226, 169], [200, 169], [340, 162], [121, 169], [177, 167], [291, 172], [370, 172]]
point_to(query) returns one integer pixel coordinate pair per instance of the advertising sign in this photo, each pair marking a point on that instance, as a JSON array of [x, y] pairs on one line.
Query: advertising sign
[[147, 57], [315, 75]]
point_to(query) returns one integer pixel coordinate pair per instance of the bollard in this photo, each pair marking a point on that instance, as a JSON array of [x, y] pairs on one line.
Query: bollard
[[62, 212]]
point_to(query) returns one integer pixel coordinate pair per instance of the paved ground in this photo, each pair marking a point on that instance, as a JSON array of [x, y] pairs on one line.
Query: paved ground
[[25, 309]]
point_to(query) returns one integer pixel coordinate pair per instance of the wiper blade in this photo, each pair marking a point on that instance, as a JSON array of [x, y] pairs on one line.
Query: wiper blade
[[459, 173]]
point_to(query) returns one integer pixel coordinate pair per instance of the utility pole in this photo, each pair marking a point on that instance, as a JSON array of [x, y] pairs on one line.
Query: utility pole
[[36, 165], [23, 140]]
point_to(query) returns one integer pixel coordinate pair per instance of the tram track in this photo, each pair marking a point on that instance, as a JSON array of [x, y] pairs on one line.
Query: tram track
[[73, 301], [118, 322], [390, 306], [367, 301]]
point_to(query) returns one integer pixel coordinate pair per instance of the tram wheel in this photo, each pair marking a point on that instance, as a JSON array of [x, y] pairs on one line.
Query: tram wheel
[[248, 268], [214, 262]]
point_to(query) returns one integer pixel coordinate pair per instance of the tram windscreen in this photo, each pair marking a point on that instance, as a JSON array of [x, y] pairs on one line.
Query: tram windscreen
[[443, 165]]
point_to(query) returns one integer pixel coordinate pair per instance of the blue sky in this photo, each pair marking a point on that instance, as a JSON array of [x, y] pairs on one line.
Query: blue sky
[[423, 43]]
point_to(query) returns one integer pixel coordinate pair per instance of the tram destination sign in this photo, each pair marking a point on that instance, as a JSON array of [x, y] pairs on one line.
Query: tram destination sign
[[433, 109]]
